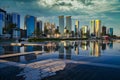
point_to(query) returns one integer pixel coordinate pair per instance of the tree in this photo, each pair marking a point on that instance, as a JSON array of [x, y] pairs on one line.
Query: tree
[[9, 28]]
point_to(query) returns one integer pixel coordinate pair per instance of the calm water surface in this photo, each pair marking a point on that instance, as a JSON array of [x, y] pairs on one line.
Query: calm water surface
[[90, 51]]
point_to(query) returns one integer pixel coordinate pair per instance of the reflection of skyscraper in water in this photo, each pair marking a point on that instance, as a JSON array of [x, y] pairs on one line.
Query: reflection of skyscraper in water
[[1, 50], [68, 52], [46, 49], [37, 48], [61, 51], [50, 47], [28, 48], [57, 47], [76, 48], [84, 45], [16, 49], [29, 57], [95, 48], [68, 48], [14, 58], [92, 48], [103, 46], [110, 45], [8, 49]]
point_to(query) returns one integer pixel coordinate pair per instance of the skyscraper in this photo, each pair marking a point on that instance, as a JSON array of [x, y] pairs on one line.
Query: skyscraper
[[61, 24], [103, 30], [84, 31], [38, 27], [76, 27], [16, 19], [8, 23], [98, 28], [92, 27], [30, 23], [2, 20], [69, 23], [110, 31]]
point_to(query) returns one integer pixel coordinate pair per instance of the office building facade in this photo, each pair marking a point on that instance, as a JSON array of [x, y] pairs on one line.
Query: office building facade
[[110, 31], [77, 28], [92, 27], [30, 24], [69, 23], [2, 20], [16, 19], [61, 25], [98, 28], [103, 30]]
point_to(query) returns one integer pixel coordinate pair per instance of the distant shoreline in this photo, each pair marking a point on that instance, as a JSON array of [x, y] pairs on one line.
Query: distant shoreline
[[52, 39]]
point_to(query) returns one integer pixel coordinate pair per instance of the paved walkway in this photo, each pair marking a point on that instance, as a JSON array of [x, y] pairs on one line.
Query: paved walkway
[[19, 54]]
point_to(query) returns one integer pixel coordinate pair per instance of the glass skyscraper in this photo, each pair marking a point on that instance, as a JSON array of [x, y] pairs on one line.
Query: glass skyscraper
[[30, 23], [39, 26], [2, 23], [76, 27], [61, 25], [92, 27], [98, 28], [69, 23], [2, 20], [110, 31], [16, 19]]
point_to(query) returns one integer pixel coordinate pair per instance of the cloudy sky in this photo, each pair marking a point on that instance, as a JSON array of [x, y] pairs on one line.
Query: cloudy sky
[[84, 10]]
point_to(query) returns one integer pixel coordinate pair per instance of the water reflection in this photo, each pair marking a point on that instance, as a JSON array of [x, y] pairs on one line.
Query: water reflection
[[64, 49]]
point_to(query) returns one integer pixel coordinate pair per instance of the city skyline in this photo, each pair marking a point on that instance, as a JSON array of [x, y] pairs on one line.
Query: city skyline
[[82, 10]]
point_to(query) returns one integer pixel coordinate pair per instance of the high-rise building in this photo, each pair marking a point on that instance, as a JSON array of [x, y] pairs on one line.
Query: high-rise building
[[103, 30], [84, 32], [38, 27], [92, 27], [2, 20], [69, 23], [98, 28], [23, 33], [76, 28], [110, 31], [30, 24], [61, 25], [16, 19], [77, 25], [8, 22]]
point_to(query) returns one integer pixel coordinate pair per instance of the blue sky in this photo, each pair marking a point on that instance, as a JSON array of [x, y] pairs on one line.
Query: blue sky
[[84, 10]]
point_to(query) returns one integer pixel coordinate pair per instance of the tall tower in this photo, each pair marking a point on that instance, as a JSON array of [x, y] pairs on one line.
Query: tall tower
[[98, 28], [61, 25], [30, 24], [77, 26], [103, 30], [110, 31], [2, 20], [84, 32], [92, 27], [16, 19], [39, 26], [69, 23]]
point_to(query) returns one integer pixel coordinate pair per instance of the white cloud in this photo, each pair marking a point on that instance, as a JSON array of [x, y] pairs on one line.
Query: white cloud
[[86, 6]]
